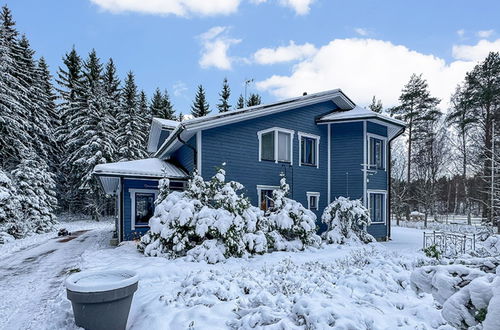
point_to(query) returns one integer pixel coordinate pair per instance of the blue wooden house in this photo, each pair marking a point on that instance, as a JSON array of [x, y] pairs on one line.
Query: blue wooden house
[[324, 144]]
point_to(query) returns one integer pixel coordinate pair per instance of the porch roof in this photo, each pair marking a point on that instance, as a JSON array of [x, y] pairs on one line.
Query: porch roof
[[149, 168]]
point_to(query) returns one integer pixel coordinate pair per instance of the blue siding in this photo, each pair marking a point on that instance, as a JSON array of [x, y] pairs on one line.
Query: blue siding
[[347, 157], [375, 128], [237, 145], [185, 155], [128, 233], [163, 136]]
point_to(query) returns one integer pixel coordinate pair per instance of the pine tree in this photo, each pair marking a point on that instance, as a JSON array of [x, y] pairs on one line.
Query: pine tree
[[254, 99], [241, 102], [200, 105], [130, 141], [36, 191], [14, 137], [161, 107], [376, 105], [419, 110], [225, 93]]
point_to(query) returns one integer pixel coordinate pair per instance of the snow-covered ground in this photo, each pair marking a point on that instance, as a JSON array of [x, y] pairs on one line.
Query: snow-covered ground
[[32, 273], [344, 287]]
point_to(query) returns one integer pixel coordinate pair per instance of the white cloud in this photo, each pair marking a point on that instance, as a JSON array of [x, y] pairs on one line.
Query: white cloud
[[284, 53], [475, 52], [485, 33], [367, 67], [171, 7], [362, 32], [461, 33], [301, 7], [216, 44], [180, 89]]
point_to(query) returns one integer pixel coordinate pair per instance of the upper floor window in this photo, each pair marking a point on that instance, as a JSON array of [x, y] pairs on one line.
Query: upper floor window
[[275, 144], [309, 149], [376, 152]]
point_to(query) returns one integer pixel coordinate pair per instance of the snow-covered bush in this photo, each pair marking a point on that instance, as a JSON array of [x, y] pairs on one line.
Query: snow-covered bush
[[463, 290], [290, 225], [209, 221], [346, 222], [11, 225]]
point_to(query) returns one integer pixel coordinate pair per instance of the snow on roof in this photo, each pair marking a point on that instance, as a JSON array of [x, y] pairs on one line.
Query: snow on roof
[[149, 167], [359, 112], [167, 122]]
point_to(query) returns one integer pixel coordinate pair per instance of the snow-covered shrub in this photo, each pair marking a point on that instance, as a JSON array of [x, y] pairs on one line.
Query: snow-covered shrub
[[346, 222], [36, 191], [209, 221], [11, 225], [464, 291], [290, 225]]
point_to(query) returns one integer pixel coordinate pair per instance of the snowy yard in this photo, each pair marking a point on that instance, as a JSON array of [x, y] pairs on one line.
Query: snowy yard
[[347, 287]]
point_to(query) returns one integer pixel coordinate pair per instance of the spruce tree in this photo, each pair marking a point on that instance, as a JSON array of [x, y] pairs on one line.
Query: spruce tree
[[161, 106], [241, 102], [111, 85], [376, 105], [130, 141], [225, 93], [144, 119], [254, 99], [14, 136], [36, 191], [71, 105], [200, 105], [11, 219]]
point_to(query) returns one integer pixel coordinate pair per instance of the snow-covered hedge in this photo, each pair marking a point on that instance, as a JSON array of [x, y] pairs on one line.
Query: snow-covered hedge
[[468, 291], [212, 220], [346, 222]]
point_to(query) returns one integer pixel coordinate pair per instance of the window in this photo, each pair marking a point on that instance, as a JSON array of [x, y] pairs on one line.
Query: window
[[144, 208], [376, 153], [312, 201], [308, 149], [265, 195], [276, 144], [267, 146], [377, 201]]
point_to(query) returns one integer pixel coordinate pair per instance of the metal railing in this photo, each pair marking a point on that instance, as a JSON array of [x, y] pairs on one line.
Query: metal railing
[[450, 243]]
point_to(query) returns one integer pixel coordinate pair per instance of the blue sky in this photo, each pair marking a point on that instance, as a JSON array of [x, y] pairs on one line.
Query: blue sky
[[365, 48]]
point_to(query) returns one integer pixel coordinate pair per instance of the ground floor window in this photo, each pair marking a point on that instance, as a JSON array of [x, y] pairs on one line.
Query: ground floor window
[[143, 206], [312, 200], [377, 202], [265, 195]]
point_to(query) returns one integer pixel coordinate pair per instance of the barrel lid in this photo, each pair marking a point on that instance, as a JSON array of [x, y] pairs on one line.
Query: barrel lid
[[97, 281]]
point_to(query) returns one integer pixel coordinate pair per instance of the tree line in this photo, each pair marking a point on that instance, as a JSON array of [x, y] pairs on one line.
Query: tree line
[[449, 162], [54, 130]]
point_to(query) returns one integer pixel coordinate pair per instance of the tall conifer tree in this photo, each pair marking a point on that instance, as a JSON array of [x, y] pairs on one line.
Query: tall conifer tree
[[224, 94], [200, 105], [241, 102]]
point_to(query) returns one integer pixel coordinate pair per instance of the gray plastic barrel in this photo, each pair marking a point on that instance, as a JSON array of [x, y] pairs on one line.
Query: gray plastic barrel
[[101, 300]]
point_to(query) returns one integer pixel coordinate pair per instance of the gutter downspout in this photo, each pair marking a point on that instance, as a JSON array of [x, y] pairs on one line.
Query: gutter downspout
[[390, 182]]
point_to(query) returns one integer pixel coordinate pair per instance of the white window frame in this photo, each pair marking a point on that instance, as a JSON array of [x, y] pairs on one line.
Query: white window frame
[[132, 192], [383, 192], [384, 150], [264, 187], [276, 130], [311, 136], [312, 193]]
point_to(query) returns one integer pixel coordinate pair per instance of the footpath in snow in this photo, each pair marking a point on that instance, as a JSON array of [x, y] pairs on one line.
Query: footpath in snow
[[33, 270]]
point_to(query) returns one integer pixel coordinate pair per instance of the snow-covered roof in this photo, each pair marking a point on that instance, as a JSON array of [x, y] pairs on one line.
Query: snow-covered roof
[[149, 167], [190, 127], [157, 125], [358, 113]]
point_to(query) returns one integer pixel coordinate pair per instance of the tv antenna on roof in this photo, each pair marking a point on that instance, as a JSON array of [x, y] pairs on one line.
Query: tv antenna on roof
[[247, 82]]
